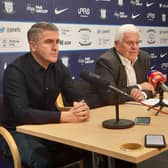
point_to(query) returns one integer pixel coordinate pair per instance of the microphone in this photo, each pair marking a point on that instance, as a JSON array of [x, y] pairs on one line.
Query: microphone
[[99, 81], [94, 79], [157, 79], [164, 87]]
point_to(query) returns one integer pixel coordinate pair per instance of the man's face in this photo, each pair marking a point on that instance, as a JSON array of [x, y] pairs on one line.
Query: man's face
[[128, 46], [45, 50]]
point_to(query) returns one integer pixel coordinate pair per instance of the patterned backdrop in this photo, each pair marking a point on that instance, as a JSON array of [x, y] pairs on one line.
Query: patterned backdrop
[[87, 29]]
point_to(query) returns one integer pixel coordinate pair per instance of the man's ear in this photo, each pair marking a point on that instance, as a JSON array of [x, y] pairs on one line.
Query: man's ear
[[116, 43], [32, 45]]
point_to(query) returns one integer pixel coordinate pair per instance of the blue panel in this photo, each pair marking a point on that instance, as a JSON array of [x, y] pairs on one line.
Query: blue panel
[[93, 12]]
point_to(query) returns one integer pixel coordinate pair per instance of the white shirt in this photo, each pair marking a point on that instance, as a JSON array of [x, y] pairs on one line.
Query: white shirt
[[130, 71]]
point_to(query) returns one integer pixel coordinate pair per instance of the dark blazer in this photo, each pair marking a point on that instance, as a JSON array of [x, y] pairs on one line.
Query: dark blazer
[[109, 66]]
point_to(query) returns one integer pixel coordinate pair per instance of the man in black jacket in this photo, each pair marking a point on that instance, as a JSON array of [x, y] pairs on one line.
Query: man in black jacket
[[31, 85]]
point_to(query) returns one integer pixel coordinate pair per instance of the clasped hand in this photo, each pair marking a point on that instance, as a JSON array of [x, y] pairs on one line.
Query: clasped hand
[[78, 113]]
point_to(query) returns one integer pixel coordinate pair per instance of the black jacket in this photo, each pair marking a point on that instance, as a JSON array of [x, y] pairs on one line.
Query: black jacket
[[30, 91]]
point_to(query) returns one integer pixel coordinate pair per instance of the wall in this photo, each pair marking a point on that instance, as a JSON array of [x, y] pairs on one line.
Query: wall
[[87, 28]]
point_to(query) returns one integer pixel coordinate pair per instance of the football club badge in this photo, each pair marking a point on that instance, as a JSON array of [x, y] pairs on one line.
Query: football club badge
[[164, 17], [8, 6], [103, 13]]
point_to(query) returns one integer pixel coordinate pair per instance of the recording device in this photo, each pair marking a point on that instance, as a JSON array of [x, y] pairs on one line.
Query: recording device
[[155, 140], [100, 82], [157, 79]]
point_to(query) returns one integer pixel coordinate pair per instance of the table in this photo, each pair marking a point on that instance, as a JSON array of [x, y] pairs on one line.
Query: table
[[90, 135]]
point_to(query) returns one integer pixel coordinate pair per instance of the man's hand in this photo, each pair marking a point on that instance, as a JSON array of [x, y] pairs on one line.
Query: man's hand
[[148, 86], [137, 94], [78, 113]]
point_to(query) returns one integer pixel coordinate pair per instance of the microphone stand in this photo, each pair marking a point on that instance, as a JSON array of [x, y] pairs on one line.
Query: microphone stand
[[118, 123], [160, 104]]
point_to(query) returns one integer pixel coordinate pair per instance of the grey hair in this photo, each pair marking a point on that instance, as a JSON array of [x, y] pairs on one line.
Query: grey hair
[[35, 31], [125, 29]]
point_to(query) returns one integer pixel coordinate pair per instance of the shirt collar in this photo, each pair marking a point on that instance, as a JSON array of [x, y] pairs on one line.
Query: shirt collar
[[36, 66], [125, 61]]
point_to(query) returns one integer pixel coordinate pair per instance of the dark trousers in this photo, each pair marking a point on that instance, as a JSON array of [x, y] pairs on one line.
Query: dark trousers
[[102, 161], [39, 153]]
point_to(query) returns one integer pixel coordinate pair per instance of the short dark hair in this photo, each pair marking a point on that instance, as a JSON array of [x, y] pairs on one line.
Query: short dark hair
[[35, 31]]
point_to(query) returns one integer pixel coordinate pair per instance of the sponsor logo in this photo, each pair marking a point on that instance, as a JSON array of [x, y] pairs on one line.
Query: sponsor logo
[[103, 13], [165, 6], [65, 60], [85, 34], [164, 40], [151, 36], [141, 32], [81, 60], [11, 43], [88, 60], [164, 32], [136, 2], [10, 29], [164, 66], [59, 11], [120, 15], [36, 9], [103, 31], [65, 32], [164, 17], [13, 29], [133, 16], [104, 41], [162, 55], [2, 29], [120, 2], [104, 37], [149, 4], [5, 65], [153, 55], [8, 7], [65, 42], [164, 37], [84, 12], [85, 60], [151, 16], [153, 67]]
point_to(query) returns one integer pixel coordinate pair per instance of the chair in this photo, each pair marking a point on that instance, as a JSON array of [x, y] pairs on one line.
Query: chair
[[89, 94], [10, 141], [60, 103], [12, 146]]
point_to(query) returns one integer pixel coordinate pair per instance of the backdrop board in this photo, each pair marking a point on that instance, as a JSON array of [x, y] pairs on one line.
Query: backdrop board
[[86, 28]]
